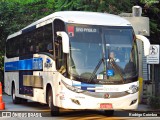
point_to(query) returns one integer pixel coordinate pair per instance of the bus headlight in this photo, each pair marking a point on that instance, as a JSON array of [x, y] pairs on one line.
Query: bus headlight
[[133, 89], [72, 88]]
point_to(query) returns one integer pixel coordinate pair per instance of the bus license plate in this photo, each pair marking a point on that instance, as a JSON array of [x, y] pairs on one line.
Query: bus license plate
[[106, 106]]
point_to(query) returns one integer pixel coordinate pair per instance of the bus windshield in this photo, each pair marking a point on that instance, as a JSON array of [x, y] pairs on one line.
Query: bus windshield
[[101, 54]]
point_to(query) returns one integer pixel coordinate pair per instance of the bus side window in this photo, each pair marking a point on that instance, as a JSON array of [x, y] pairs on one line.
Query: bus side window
[[37, 49], [31, 49], [48, 38], [39, 39], [50, 47], [8, 49], [24, 45], [58, 52], [12, 47], [59, 55], [44, 37]]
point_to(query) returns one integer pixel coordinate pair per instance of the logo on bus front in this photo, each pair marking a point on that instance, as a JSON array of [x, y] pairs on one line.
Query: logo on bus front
[[48, 63]]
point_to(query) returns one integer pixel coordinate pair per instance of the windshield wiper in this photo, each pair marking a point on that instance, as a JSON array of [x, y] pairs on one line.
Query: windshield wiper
[[116, 68], [96, 68]]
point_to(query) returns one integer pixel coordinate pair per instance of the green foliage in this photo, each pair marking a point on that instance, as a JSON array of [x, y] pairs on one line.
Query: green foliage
[[154, 102], [61, 5], [17, 14], [152, 10], [109, 6], [1, 62], [149, 2], [154, 26], [1, 67]]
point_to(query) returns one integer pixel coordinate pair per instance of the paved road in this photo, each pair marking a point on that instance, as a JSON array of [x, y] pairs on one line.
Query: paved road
[[36, 109]]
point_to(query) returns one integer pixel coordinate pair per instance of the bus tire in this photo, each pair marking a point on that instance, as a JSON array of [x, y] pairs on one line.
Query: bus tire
[[24, 100], [15, 99], [109, 112], [54, 109]]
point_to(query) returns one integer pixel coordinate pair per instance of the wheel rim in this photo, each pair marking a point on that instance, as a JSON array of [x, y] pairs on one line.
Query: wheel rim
[[13, 94], [49, 101]]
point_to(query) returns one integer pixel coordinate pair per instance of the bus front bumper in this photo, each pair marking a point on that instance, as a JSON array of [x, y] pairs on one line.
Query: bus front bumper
[[71, 100]]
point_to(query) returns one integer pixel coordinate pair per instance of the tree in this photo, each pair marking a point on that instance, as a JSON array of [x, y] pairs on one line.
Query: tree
[[152, 10], [110, 6], [18, 14]]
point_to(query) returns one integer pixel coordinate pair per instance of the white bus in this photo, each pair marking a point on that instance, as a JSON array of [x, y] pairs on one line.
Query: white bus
[[63, 60]]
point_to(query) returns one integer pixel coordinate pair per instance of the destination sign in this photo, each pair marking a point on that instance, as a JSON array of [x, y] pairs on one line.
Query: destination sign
[[90, 30]]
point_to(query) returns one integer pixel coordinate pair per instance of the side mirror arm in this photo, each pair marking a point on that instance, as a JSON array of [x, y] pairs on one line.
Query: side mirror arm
[[65, 41], [146, 44]]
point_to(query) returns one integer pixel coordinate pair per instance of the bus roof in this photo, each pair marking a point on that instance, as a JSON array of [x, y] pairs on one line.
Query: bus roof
[[79, 17]]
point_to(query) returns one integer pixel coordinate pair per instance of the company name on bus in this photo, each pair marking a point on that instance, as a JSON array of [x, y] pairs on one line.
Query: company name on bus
[[111, 89], [48, 63]]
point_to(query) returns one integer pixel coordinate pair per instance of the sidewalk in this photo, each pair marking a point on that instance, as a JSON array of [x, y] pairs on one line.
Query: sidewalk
[[147, 108]]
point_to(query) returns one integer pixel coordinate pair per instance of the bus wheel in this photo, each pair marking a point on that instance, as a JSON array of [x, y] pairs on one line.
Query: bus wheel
[[24, 100], [109, 112], [15, 99], [54, 109]]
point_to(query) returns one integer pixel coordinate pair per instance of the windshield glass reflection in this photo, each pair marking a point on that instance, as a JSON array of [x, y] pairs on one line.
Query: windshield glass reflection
[[101, 54]]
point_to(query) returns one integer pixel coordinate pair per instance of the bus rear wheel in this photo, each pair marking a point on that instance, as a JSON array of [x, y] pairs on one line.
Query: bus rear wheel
[[15, 99], [54, 109], [109, 112]]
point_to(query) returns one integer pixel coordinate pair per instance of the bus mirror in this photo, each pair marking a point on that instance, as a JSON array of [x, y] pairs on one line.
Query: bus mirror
[[65, 41], [146, 44]]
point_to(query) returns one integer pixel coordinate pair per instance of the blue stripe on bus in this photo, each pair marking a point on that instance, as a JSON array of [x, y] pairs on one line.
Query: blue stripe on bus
[[27, 64], [85, 86]]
